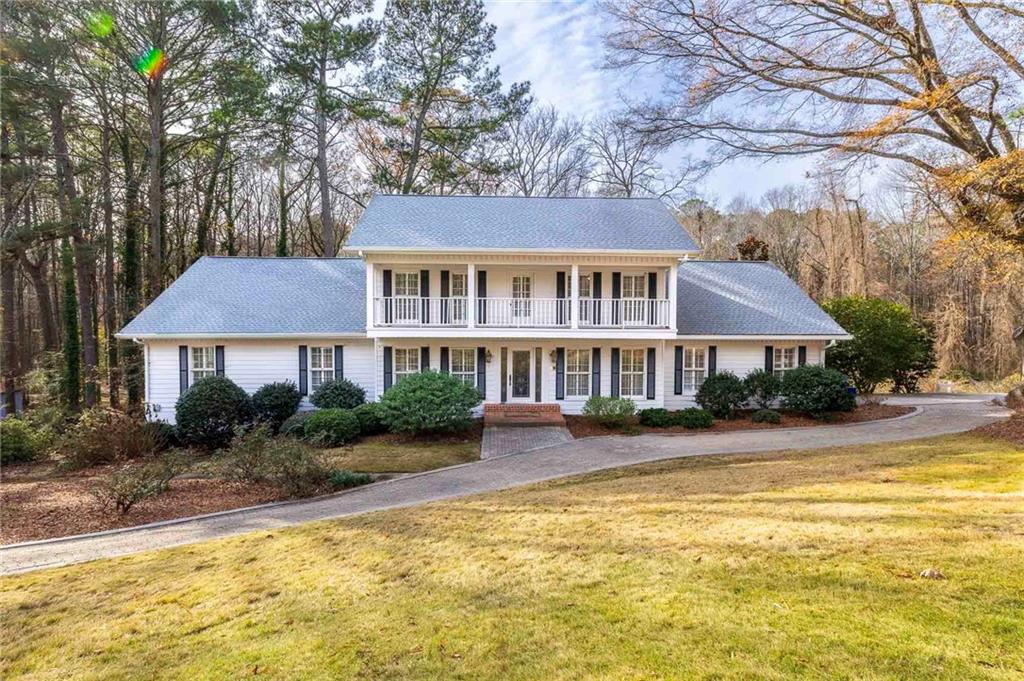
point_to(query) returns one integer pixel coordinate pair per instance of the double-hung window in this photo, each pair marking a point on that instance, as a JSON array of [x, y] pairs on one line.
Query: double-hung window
[[406, 300], [631, 372], [522, 291], [695, 368], [321, 366], [463, 364], [585, 294], [784, 360], [634, 290], [407, 362], [577, 373], [204, 362]]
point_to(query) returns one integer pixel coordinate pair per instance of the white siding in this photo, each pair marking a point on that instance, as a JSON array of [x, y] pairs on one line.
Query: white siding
[[250, 364]]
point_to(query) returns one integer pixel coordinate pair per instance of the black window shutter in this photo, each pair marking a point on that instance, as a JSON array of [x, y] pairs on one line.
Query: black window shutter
[[560, 294], [801, 355], [182, 368], [595, 371], [425, 358], [388, 311], [652, 355], [303, 371], [595, 293], [339, 362], [218, 359], [712, 360], [616, 295], [444, 359], [481, 293], [615, 372], [677, 373], [389, 372], [425, 295], [652, 294], [537, 361], [769, 359], [559, 373], [445, 293], [504, 375], [481, 371]]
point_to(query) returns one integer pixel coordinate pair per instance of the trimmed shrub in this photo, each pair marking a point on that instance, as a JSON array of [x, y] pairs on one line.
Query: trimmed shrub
[[816, 391], [107, 435], [692, 417], [339, 394], [371, 418], [766, 416], [342, 479], [722, 394], [763, 387], [285, 463], [429, 402], [19, 441], [273, 403], [295, 425], [332, 427], [655, 418], [209, 411], [610, 412], [130, 484]]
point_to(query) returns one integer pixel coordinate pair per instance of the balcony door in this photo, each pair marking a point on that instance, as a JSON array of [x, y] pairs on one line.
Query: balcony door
[[407, 297], [460, 293], [522, 291], [634, 294]]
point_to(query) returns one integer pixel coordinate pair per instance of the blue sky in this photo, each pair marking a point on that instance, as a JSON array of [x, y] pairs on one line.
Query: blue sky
[[557, 46]]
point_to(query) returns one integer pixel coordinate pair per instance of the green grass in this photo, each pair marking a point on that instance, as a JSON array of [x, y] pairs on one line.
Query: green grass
[[761, 566], [404, 457]]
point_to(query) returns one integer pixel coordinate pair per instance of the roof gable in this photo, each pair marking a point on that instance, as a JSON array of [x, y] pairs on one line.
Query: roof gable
[[518, 223]]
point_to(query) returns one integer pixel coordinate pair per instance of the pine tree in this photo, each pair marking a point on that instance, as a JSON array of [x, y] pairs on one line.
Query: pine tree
[[72, 343]]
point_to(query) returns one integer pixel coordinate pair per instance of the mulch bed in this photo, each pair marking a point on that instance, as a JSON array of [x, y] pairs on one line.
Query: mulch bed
[[1011, 429], [39, 502], [581, 426]]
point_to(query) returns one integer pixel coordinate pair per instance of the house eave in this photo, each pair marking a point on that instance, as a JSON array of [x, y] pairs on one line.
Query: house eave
[[766, 336], [204, 336]]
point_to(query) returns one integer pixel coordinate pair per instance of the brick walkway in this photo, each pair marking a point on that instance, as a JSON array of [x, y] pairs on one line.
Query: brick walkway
[[501, 440]]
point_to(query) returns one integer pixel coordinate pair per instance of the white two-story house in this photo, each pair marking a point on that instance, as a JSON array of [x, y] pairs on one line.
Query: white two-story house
[[533, 300]]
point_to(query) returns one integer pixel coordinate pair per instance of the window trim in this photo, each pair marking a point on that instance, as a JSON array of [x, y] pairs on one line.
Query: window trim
[[691, 368], [327, 373], [415, 354], [643, 286], [465, 278], [779, 351], [205, 371], [407, 274], [642, 373], [467, 376], [582, 375]]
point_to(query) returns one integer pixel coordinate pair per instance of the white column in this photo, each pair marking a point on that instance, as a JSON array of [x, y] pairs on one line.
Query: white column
[[673, 293], [574, 297], [471, 295], [371, 295]]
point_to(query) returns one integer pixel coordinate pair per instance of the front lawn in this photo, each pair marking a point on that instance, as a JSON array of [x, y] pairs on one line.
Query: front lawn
[[768, 566]]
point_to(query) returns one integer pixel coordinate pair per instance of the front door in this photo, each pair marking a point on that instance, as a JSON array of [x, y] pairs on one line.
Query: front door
[[520, 371]]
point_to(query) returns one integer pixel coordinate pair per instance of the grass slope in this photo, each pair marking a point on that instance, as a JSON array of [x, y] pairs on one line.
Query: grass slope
[[767, 566], [389, 457]]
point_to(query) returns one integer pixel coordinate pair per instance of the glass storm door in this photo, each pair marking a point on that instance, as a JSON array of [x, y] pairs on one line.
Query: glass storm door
[[520, 378]]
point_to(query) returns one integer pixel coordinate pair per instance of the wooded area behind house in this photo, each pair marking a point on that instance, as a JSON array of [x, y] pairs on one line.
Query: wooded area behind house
[[139, 136]]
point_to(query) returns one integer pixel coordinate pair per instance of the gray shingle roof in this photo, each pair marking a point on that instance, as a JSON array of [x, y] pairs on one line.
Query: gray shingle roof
[[260, 296], [503, 222], [746, 298]]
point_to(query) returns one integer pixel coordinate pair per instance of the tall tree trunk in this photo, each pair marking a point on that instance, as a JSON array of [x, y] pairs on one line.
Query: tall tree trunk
[[154, 269], [282, 211], [72, 347], [131, 277], [11, 368], [109, 292], [47, 322], [206, 213], [326, 219], [229, 214], [417, 142], [73, 216]]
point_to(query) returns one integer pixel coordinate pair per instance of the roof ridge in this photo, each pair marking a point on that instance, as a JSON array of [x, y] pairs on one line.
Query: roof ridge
[[279, 257]]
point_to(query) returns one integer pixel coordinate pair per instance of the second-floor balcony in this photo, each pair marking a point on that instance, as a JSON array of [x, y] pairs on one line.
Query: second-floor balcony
[[522, 312]]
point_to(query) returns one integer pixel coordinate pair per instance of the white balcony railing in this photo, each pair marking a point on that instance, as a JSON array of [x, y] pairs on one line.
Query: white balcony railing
[[522, 312]]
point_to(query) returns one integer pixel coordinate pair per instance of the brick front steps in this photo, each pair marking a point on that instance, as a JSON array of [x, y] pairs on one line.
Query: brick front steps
[[523, 415]]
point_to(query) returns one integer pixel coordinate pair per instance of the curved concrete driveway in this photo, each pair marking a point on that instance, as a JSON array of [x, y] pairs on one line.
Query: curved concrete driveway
[[936, 415]]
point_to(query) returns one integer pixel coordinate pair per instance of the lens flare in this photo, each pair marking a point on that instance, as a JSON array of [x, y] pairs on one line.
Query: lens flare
[[151, 63]]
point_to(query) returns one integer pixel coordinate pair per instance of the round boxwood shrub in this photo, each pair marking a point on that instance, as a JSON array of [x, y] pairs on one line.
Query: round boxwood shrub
[[429, 402], [766, 416], [371, 418], [295, 425], [18, 441], [816, 391], [655, 418], [208, 412], [722, 394], [339, 394], [763, 387], [332, 427], [693, 417], [273, 403]]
